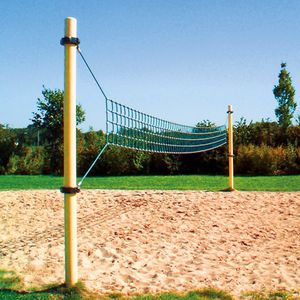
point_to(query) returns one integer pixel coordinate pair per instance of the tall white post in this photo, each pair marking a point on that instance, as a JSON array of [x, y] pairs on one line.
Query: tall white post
[[70, 202]]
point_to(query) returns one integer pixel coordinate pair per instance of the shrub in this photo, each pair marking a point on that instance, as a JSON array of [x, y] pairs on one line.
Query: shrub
[[265, 160], [29, 162]]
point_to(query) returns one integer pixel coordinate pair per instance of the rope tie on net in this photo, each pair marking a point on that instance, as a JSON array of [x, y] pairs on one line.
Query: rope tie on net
[[129, 128]]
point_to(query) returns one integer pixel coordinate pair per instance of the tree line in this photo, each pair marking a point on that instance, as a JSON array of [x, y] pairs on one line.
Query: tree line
[[261, 148]]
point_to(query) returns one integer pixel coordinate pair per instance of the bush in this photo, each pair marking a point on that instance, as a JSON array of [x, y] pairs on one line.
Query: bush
[[29, 162], [266, 160]]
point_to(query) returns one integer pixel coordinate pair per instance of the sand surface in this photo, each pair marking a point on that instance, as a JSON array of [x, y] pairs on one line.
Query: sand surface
[[137, 241]]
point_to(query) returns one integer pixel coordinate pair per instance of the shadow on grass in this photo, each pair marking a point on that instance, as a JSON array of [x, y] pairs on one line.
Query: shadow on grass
[[53, 293], [11, 288]]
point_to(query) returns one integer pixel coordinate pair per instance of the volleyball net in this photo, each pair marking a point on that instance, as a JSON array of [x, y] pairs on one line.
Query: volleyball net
[[130, 128]]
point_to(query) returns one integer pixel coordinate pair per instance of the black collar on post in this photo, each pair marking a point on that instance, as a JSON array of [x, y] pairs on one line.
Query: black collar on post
[[69, 40], [69, 190]]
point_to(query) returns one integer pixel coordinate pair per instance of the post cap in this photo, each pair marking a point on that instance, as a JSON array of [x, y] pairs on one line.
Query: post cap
[[230, 111], [70, 27]]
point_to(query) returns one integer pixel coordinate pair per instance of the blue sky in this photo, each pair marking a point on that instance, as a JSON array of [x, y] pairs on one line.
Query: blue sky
[[183, 61]]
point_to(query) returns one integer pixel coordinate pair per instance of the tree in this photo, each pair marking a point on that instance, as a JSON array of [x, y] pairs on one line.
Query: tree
[[284, 93], [8, 146], [49, 117], [206, 123]]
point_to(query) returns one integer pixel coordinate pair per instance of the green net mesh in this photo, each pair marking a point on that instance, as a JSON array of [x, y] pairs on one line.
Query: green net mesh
[[129, 128]]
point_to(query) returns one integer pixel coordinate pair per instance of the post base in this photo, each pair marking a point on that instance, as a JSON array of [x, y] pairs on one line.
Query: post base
[[229, 190]]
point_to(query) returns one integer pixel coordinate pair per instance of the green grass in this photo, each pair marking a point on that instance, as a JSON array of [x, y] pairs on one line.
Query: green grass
[[277, 295], [8, 280], [11, 289], [204, 294], [185, 182], [55, 293]]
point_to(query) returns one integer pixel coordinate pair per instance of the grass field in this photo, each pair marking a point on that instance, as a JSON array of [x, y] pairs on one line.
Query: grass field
[[185, 182]]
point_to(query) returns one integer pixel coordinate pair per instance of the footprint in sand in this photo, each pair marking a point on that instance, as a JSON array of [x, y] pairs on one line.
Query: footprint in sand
[[103, 253]]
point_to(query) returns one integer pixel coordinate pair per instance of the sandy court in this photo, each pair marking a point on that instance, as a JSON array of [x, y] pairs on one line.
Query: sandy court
[[137, 241]]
